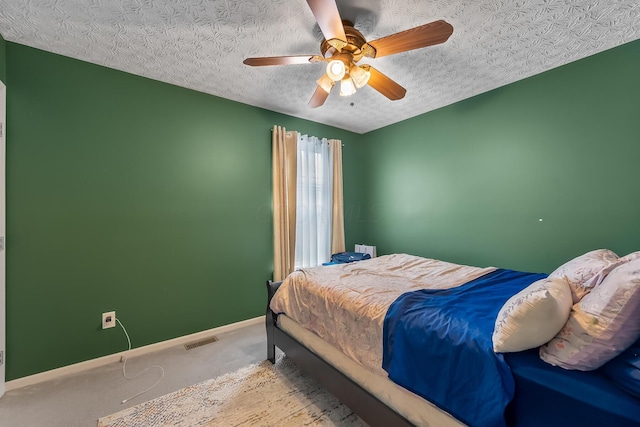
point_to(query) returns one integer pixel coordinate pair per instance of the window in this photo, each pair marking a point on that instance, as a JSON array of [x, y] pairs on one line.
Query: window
[[308, 217], [314, 201]]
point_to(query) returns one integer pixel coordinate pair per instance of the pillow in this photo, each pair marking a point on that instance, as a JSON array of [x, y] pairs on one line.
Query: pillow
[[586, 271], [533, 316], [631, 256], [624, 370], [603, 324]]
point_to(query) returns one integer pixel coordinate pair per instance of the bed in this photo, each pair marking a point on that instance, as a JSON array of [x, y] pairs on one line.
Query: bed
[[337, 323]]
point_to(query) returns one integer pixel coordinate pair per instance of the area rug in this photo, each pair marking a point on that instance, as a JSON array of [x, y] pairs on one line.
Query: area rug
[[265, 394]]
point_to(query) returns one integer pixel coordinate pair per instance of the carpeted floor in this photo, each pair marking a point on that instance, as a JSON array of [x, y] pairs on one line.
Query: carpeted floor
[[257, 395], [80, 399]]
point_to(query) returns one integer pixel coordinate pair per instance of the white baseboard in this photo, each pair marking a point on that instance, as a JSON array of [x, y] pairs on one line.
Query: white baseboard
[[115, 357]]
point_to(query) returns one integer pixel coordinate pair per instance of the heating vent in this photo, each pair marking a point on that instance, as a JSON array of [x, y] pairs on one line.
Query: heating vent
[[200, 343]]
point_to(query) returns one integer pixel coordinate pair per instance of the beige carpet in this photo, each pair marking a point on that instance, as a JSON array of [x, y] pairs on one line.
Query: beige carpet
[[256, 395]]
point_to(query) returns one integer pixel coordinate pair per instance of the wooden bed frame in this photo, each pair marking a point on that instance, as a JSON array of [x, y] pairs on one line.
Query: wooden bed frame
[[373, 411]]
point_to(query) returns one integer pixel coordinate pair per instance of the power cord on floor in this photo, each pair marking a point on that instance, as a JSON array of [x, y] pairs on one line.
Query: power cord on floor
[[124, 367]]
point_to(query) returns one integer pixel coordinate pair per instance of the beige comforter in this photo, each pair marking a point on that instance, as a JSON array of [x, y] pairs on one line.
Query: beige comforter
[[345, 304]]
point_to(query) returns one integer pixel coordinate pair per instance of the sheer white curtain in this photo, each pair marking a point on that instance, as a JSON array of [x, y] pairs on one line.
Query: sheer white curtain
[[314, 201]]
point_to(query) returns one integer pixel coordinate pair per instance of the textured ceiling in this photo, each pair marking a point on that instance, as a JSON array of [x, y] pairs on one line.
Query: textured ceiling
[[200, 44]]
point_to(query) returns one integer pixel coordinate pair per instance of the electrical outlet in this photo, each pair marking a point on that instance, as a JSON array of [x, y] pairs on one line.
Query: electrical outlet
[[108, 319]]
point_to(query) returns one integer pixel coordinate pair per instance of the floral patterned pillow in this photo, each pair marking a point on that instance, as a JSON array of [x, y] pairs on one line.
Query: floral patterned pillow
[[602, 325], [631, 256], [533, 316], [586, 271]]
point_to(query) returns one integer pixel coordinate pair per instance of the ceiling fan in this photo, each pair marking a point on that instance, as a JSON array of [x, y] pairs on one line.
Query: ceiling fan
[[343, 46]]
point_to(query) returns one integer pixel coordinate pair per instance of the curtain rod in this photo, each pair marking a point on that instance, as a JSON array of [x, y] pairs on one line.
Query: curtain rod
[[271, 129]]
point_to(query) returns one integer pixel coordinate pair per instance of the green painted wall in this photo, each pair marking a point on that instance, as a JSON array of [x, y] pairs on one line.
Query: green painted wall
[[131, 195], [469, 182], [3, 60]]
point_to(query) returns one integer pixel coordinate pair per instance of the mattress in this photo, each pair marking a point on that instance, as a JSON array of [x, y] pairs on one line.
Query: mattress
[[345, 304], [411, 406], [551, 396]]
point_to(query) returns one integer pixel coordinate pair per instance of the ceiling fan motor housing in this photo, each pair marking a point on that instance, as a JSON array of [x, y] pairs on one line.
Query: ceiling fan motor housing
[[356, 45]]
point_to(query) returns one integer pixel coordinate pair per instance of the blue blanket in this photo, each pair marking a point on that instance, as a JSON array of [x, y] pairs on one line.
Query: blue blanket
[[437, 343]]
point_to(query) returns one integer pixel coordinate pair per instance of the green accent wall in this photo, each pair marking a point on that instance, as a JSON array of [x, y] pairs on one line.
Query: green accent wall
[[3, 60], [132, 195], [470, 182]]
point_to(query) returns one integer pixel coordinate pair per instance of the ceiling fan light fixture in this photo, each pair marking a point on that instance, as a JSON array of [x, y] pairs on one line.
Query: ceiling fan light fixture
[[325, 83], [336, 70], [359, 76], [347, 87]]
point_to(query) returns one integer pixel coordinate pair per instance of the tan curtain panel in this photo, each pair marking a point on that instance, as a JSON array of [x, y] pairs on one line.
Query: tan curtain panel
[[284, 152], [337, 218]]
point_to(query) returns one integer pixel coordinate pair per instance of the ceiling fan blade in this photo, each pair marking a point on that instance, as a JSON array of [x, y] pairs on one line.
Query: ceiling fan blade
[[318, 98], [384, 84], [282, 60], [328, 18], [426, 35]]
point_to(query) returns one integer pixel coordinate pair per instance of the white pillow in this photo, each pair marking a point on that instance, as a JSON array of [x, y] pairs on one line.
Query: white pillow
[[586, 271], [533, 316]]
